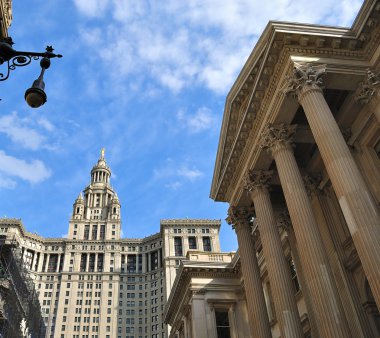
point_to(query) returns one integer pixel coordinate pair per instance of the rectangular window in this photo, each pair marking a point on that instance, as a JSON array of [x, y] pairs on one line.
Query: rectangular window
[[53, 262], [222, 324], [178, 246], [94, 232], [131, 263], [86, 231], [92, 263], [100, 262], [206, 244], [83, 262], [192, 242], [102, 232]]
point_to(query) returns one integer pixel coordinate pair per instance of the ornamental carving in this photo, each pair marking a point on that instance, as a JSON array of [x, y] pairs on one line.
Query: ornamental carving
[[276, 136], [311, 184], [239, 216], [284, 221], [367, 89], [304, 76], [257, 179]]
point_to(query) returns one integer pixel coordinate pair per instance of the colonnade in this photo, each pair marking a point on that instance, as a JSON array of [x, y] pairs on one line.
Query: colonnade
[[360, 210]]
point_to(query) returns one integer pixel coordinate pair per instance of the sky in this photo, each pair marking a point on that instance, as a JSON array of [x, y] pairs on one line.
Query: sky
[[146, 80]]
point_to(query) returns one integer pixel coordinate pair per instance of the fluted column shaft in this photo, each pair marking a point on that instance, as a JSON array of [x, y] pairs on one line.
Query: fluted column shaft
[[277, 266], [358, 206], [328, 309], [257, 310]]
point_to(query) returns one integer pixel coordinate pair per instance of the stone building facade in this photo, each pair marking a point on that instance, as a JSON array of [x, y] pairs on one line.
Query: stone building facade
[[299, 152], [95, 284]]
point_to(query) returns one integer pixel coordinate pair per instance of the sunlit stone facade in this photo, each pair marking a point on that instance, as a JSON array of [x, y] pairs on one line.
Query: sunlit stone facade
[[299, 153], [95, 284]]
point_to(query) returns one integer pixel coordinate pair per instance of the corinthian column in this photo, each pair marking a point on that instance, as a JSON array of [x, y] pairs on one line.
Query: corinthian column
[[277, 266], [328, 309], [369, 93], [358, 206], [257, 310]]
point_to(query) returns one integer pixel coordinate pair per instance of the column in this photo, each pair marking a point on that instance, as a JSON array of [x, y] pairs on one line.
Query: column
[[256, 182], [159, 258], [369, 93], [328, 309], [32, 268], [284, 222], [47, 262], [257, 310], [58, 262], [358, 206]]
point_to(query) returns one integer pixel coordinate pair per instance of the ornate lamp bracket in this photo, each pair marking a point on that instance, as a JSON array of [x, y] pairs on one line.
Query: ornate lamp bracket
[[13, 58]]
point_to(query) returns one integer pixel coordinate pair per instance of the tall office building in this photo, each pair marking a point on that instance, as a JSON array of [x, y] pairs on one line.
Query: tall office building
[[96, 284]]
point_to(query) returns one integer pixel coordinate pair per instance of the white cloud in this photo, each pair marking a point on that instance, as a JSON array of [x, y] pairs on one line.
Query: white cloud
[[200, 121], [173, 185], [92, 8], [189, 174], [34, 171], [44, 123], [183, 43], [18, 131], [176, 175], [6, 182], [23, 131]]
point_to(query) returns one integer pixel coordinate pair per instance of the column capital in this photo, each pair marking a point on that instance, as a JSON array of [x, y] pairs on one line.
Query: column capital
[[257, 179], [277, 136], [311, 183], [304, 78], [368, 88], [284, 221], [239, 217]]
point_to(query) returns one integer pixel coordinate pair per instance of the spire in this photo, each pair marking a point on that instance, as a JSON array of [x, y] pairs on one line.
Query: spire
[[102, 151], [80, 198]]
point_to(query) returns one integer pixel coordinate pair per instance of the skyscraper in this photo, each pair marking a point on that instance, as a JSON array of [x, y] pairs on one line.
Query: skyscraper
[[96, 284]]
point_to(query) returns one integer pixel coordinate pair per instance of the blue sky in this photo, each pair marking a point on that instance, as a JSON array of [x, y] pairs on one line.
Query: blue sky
[[147, 80]]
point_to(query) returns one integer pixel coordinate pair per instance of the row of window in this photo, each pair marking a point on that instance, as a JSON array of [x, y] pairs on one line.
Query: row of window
[[192, 241]]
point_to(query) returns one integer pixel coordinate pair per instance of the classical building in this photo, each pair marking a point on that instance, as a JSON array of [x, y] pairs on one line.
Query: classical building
[[299, 151], [95, 284]]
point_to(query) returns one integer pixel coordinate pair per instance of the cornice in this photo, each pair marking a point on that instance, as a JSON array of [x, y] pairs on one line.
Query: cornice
[[181, 290], [247, 102]]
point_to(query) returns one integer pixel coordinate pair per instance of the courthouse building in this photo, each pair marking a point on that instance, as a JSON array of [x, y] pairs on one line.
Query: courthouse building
[[299, 164], [300, 149], [95, 284]]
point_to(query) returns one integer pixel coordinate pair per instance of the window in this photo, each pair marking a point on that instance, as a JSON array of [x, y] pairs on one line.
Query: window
[[192, 242], [178, 246], [86, 231], [293, 272], [102, 231], [83, 262], [94, 231], [206, 244], [222, 324]]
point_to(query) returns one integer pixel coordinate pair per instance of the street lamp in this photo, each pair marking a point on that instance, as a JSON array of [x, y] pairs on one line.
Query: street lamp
[[35, 96]]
